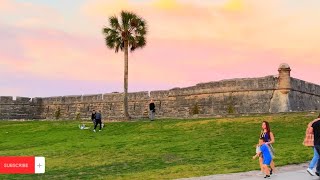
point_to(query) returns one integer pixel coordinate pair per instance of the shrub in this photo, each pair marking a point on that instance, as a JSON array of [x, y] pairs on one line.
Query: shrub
[[195, 109], [78, 116], [57, 114], [230, 109]]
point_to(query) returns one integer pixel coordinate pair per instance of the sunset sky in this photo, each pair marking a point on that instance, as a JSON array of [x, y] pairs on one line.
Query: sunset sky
[[56, 47]]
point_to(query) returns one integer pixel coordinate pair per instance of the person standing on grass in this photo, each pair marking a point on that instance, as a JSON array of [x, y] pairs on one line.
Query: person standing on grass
[[93, 117], [268, 137], [267, 158], [152, 110], [97, 121], [314, 127]]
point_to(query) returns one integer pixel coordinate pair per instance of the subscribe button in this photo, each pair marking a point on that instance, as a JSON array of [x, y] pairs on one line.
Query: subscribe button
[[21, 164]]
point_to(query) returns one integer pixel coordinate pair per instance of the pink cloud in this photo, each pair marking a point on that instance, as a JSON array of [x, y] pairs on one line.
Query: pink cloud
[[188, 43], [53, 54], [10, 91], [27, 14]]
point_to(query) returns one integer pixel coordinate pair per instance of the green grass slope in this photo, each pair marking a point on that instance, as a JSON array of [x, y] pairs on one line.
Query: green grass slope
[[163, 149]]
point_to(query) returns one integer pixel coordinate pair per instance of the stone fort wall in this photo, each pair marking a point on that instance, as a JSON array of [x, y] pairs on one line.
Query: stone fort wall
[[304, 96], [20, 108], [270, 94]]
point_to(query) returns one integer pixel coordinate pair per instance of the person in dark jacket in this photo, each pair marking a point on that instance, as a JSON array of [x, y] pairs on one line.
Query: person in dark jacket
[[97, 120], [93, 117], [152, 110], [315, 129]]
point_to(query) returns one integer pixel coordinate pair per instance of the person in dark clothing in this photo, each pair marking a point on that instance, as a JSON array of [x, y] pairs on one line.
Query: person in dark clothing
[[315, 128], [309, 142], [93, 117], [152, 110], [98, 121]]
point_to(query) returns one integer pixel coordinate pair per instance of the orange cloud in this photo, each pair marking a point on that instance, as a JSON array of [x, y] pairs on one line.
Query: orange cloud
[[96, 8], [6, 6], [234, 5], [251, 24], [166, 4]]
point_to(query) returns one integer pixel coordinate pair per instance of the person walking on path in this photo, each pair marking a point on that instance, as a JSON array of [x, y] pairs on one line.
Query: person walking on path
[[267, 158], [309, 142], [152, 110], [97, 121], [268, 137]]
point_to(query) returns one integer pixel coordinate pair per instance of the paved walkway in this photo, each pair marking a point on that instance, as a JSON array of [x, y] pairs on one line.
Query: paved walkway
[[290, 172]]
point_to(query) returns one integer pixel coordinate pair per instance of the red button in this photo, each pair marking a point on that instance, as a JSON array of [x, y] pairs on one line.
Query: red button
[[17, 165]]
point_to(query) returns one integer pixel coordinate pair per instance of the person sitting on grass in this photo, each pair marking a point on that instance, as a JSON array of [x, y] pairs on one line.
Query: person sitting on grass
[[267, 158]]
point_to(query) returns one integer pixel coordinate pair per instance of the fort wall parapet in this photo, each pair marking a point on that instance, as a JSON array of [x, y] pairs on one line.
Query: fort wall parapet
[[269, 94]]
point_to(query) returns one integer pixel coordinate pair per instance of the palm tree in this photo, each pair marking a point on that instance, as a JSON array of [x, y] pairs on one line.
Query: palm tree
[[127, 32]]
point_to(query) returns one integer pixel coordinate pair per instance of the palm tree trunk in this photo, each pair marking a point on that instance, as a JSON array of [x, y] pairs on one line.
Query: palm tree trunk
[[125, 96]]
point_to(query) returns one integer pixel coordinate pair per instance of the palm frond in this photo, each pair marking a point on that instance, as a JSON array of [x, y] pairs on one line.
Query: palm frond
[[126, 17], [132, 43], [142, 28], [112, 37], [106, 30], [114, 22], [118, 46], [141, 41], [131, 29]]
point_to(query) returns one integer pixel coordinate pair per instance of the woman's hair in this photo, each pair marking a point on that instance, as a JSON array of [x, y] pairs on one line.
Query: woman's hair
[[267, 127], [319, 115]]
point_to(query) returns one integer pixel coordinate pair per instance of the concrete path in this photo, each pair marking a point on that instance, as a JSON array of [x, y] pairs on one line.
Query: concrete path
[[290, 172]]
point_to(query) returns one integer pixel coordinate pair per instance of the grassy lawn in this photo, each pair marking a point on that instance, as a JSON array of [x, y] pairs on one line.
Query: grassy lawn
[[163, 149]]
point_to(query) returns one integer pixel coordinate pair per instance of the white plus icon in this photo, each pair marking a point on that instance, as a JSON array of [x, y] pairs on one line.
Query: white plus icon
[[39, 163]]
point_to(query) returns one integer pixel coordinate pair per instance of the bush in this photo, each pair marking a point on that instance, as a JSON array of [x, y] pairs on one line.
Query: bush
[[78, 116], [195, 109], [230, 109], [57, 114]]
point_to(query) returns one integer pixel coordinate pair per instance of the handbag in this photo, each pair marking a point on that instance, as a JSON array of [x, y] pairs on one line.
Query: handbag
[[309, 139]]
